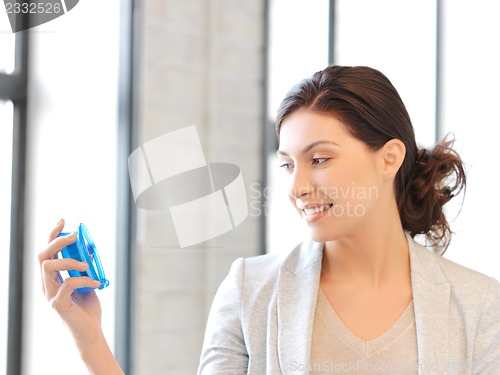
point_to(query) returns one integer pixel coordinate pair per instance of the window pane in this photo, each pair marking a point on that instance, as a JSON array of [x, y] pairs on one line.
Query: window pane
[[6, 121], [7, 43], [298, 36], [72, 168], [398, 38], [470, 112], [298, 39]]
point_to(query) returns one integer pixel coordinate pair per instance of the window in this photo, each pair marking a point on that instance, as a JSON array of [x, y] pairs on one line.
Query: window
[[72, 160], [73, 121], [7, 44], [446, 75], [12, 140], [294, 53], [400, 41], [394, 42]]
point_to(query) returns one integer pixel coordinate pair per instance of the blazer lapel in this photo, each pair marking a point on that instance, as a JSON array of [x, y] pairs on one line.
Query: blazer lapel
[[298, 284], [431, 299]]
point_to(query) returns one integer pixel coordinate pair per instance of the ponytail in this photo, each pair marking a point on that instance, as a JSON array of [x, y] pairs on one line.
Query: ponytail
[[437, 177]]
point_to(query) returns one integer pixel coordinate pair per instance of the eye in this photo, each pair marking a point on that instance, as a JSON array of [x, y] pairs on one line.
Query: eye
[[286, 166], [319, 160]]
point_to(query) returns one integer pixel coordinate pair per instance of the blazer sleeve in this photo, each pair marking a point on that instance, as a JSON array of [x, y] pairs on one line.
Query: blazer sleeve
[[224, 350], [486, 359]]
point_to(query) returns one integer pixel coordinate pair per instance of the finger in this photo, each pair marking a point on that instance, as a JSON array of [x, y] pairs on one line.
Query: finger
[[56, 230], [55, 265], [51, 277], [63, 300], [71, 283], [50, 252]]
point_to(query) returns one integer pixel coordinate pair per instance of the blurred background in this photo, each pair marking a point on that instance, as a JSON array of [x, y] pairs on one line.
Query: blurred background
[[80, 93]]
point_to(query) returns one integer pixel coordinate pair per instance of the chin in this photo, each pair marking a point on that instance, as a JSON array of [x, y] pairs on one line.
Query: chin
[[331, 232], [323, 235]]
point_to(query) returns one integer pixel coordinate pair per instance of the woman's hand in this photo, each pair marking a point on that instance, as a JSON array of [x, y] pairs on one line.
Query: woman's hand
[[80, 312]]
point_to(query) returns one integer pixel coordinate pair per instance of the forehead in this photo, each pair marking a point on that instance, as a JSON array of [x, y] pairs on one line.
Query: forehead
[[304, 126]]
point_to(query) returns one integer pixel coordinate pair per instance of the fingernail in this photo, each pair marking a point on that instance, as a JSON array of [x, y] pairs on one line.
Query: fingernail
[[59, 222]]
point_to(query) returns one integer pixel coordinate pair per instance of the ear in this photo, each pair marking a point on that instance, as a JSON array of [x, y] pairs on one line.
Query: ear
[[393, 154]]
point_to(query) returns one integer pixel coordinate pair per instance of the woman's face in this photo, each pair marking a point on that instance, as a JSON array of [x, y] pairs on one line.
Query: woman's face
[[334, 178]]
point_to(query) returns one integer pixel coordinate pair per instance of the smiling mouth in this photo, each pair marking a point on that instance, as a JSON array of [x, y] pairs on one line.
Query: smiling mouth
[[316, 210]]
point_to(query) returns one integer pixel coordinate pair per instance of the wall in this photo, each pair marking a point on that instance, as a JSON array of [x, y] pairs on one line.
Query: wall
[[200, 64]]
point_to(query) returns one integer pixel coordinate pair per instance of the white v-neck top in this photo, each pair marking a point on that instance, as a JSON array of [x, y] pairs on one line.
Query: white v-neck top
[[335, 349]]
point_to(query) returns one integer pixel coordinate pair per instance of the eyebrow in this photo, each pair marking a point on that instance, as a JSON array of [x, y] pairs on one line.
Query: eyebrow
[[311, 146]]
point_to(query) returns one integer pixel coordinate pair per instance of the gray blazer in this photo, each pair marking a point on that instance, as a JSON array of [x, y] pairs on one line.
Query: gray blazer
[[262, 315]]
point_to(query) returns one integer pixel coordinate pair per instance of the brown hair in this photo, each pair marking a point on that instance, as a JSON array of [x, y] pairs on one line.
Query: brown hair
[[371, 108]]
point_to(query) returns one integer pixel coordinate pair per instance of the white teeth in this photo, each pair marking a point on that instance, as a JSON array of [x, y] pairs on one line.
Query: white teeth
[[312, 211]]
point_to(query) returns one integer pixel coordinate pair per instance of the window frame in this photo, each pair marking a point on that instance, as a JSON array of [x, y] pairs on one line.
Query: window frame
[[14, 87], [127, 119]]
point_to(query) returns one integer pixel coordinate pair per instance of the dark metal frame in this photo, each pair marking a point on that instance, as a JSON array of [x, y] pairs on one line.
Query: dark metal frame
[[125, 206], [15, 87], [331, 33], [268, 135]]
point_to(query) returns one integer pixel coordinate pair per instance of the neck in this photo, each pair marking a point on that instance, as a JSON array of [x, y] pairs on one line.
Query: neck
[[375, 255]]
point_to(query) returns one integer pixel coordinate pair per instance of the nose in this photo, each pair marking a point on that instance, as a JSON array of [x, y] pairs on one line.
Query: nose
[[300, 184]]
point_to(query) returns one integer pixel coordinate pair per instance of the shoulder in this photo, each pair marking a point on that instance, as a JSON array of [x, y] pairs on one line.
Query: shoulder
[[258, 278], [263, 270], [472, 304], [471, 285], [466, 284], [266, 268], [460, 275]]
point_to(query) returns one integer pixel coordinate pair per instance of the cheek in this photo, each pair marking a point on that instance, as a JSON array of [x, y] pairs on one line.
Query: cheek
[[352, 185], [364, 190], [342, 178]]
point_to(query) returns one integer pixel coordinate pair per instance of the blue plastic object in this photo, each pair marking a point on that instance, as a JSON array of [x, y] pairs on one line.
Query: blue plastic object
[[84, 250]]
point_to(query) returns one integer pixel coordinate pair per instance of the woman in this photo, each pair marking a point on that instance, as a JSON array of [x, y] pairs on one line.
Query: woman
[[362, 296]]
